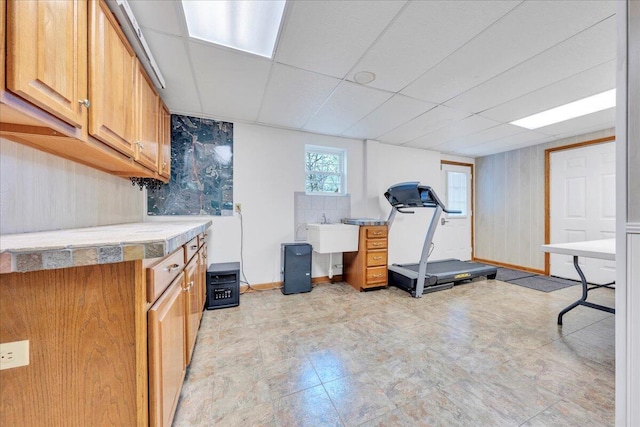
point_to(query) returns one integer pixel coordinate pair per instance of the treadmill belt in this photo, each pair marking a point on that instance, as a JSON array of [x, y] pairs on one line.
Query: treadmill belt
[[446, 266]]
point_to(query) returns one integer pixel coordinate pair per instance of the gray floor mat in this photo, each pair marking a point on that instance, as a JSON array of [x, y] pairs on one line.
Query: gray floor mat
[[507, 274], [543, 283]]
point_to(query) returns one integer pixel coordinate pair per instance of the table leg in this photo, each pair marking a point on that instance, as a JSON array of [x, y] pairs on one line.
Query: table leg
[[583, 299]]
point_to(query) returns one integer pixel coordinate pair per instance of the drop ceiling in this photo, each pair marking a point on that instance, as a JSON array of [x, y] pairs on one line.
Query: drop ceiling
[[450, 75]]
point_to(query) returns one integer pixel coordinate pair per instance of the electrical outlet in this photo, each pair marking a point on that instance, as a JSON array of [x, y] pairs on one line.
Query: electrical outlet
[[238, 207], [14, 354]]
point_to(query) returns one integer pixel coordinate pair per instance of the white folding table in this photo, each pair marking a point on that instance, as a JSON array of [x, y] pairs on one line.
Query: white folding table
[[600, 249]]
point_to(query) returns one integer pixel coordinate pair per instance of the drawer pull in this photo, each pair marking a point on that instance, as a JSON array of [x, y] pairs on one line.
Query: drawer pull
[[377, 244], [172, 267], [377, 233], [376, 275], [188, 288], [377, 258]]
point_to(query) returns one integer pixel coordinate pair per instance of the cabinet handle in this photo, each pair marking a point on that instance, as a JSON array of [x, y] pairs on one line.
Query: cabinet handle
[[164, 164], [172, 267], [194, 246], [377, 275], [377, 233], [189, 286], [84, 102], [140, 144], [377, 244], [377, 258]]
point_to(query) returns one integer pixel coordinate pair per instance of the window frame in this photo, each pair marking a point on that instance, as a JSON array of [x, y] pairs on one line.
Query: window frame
[[342, 154]]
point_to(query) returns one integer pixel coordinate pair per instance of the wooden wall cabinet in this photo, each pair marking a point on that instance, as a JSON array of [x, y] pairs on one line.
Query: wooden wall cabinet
[[74, 88], [367, 268], [164, 161]]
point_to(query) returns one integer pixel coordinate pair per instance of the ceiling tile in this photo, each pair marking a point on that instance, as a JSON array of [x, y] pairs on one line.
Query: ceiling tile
[[293, 95], [590, 48], [511, 142], [347, 105], [172, 59], [433, 119], [590, 82], [424, 34], [489, 134], [329, 37], [388, 116], [231, 84], [529, 29], [159, 15], [466, 126]]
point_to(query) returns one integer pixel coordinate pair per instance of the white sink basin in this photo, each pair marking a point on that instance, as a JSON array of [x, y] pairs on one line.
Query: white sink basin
[[329, 238]]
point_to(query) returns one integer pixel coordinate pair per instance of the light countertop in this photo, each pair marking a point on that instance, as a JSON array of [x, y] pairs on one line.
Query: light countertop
[[94, 245], [364, 221]]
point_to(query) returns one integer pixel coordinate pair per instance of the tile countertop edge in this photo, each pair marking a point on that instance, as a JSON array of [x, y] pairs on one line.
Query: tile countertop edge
[[95, 245]]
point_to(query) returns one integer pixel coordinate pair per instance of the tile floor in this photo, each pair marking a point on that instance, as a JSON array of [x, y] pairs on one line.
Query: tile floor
[[486, 353]]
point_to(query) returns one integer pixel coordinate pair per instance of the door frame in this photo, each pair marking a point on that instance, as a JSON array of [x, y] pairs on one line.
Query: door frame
[[469, 165], [547, 189]]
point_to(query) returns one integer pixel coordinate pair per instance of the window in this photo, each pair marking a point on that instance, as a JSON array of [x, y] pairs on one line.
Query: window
[[325, 170], [457, 192]]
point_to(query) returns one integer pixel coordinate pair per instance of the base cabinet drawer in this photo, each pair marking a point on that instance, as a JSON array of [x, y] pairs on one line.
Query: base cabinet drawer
[[376, 275]]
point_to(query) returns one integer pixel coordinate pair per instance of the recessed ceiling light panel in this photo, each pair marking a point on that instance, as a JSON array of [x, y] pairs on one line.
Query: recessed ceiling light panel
[[248, 25], [582, 107]]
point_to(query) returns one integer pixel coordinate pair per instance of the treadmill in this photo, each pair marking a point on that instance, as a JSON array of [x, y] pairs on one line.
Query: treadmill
[[425, 277]]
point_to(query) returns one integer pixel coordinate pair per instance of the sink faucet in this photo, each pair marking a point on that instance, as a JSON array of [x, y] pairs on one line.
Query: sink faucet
[[324, 219]]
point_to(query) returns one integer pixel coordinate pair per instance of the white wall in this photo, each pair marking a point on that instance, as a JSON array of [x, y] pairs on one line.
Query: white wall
[[39, 191]]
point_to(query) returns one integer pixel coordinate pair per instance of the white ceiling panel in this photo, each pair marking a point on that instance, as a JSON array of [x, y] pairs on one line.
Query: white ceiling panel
[[329, 37], [348, 104], [590, 48], [581, 85], [159, 15], [169, 52], [388, 116], [528, 30], [525, 138], [434, 119], [423, 35], [466, 126], [600, 120], [436, 62], [490, 134], [293, 95], [230, 84]]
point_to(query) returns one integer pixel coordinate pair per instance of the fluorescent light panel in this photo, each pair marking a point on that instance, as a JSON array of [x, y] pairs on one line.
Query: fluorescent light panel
[[250, 26], [582, 107]]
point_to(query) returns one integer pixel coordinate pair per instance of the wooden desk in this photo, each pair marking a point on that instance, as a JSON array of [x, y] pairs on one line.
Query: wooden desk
[[600, 249]]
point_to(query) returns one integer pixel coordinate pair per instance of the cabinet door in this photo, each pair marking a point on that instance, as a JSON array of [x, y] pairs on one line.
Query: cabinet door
[[192, 307], [148, 122], [203, 276], [164, 164], [166, 354], [112, 78], [46, 55]]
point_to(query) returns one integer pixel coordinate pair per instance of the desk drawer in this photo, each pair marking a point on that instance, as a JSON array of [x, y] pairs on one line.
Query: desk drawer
[[377, 232], [376, 275], [160, 276], [375, 258], [376, 243]]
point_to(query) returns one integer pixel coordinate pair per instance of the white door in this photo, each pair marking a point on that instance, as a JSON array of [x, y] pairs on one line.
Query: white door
[[454, 230], [583, 206]]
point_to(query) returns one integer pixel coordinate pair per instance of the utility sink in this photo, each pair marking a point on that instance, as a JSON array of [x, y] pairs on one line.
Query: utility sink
[[329, 238]]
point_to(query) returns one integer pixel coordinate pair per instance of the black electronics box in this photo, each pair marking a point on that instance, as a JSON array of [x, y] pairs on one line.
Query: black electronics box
[[295, 267], [223, 285]]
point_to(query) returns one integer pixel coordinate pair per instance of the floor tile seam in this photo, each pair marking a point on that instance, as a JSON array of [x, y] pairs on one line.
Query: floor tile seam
[[334, 405], [543, 410]]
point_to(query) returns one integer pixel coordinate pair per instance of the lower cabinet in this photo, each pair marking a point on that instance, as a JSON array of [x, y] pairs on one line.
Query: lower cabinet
[[367, 268], [193, 309], [166, 329]]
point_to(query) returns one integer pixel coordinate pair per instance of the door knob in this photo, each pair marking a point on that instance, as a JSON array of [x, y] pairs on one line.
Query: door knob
[[443, 221]]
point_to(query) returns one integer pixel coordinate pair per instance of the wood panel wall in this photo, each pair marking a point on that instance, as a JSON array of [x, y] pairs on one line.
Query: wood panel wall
[[509, 209], [40, 192]]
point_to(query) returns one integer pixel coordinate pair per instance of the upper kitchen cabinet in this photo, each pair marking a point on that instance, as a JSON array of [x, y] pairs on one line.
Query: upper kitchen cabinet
[[165, 141], [73, 86], [112, 81], [149, 132], [46, 56]]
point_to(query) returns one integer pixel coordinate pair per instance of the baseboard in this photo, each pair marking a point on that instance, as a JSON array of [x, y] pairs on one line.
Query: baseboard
[[511, 266], [277, 285]]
